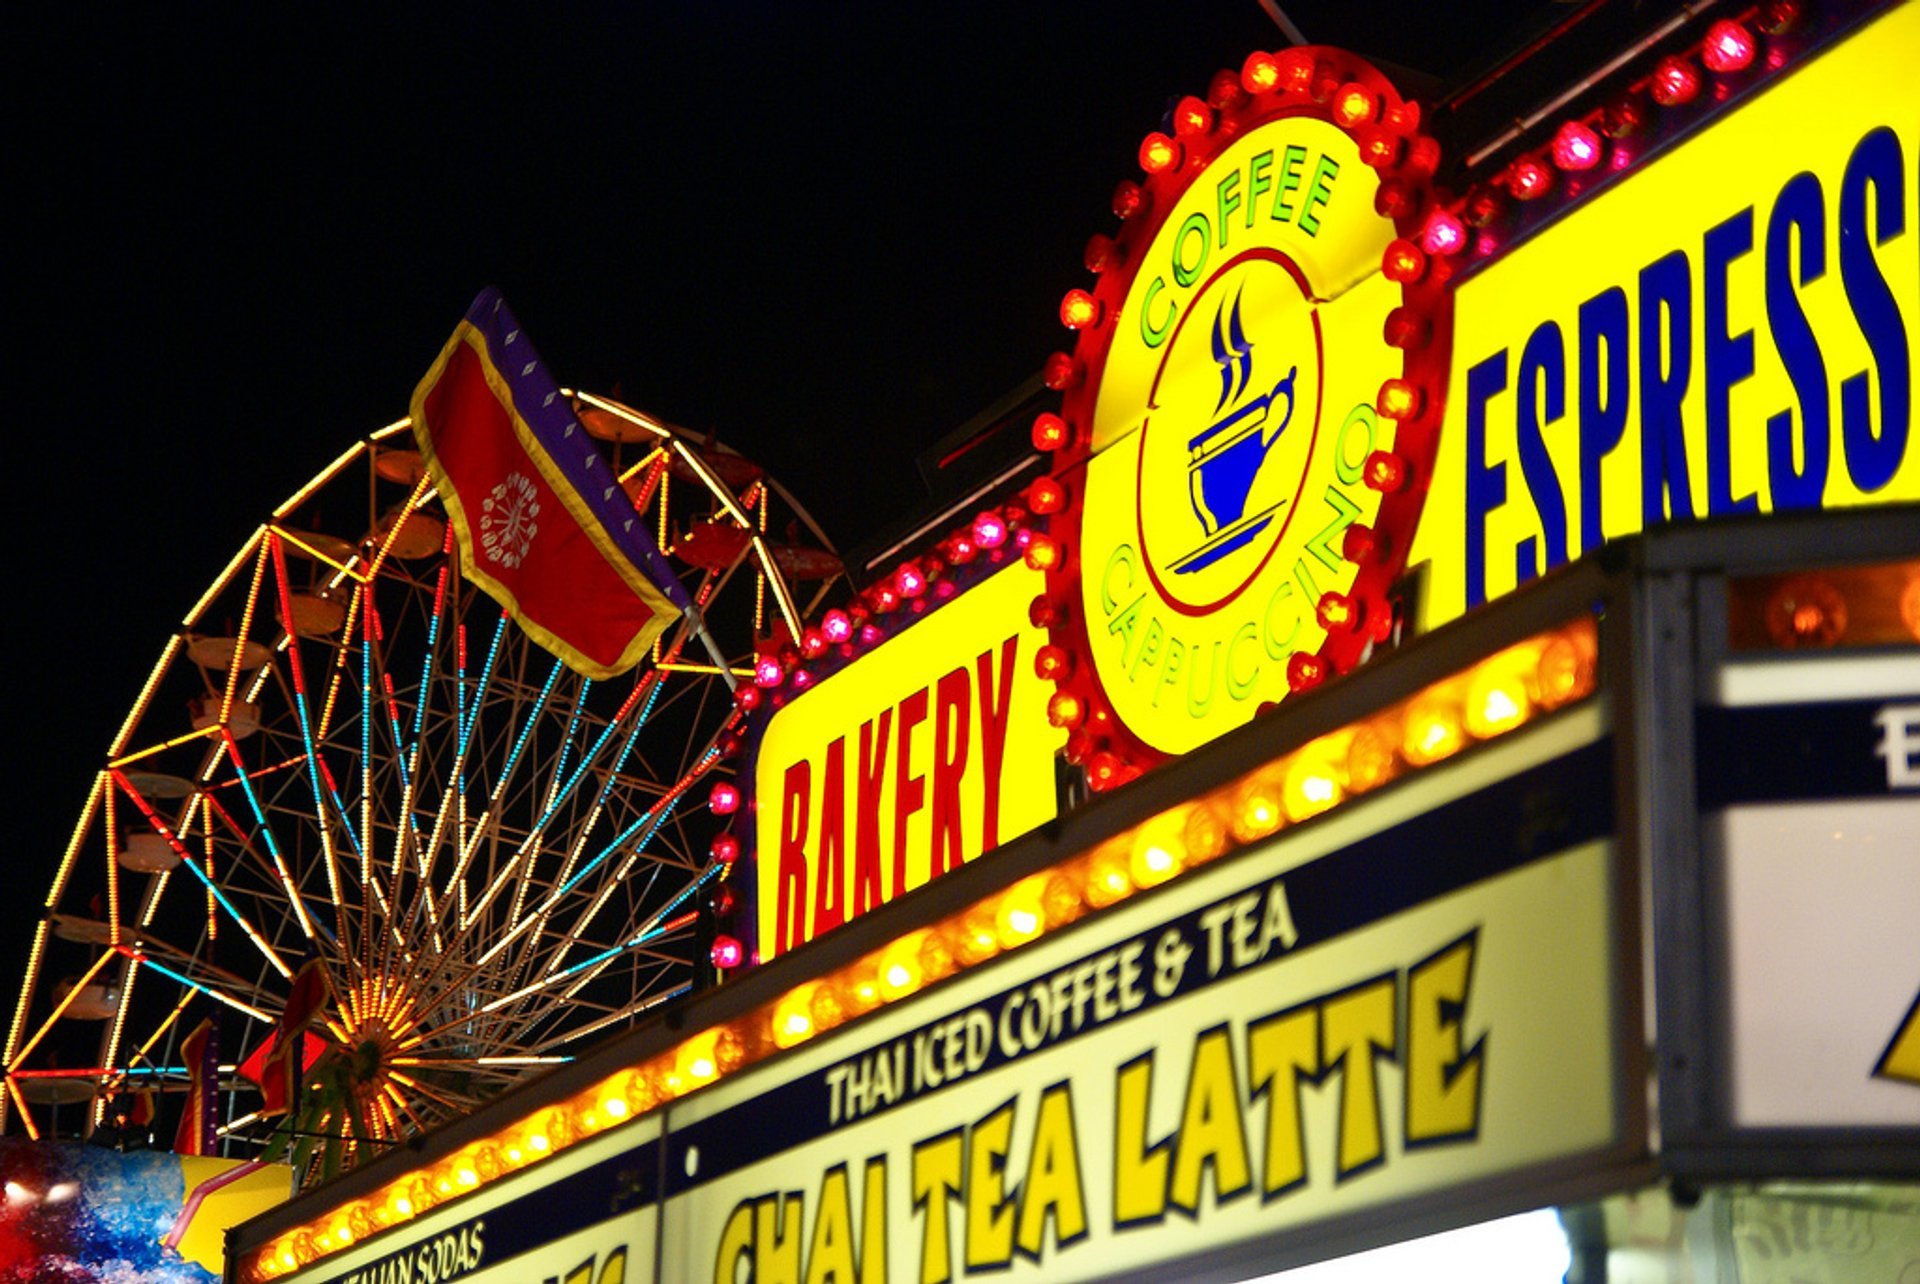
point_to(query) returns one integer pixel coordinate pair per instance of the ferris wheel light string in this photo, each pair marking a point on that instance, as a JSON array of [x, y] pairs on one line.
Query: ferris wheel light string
[[465, 731], [606, 784], [326, 475], [539, 828], [472, 843], [232, 684], [34, 955], [653, 931], [128, 976], [338, 670], [235, 1125], [618, 411], [341, 570], [138, 755], [217, 995], [192, 866], [26, 1116], [160, 1031], [60, 1009], [566, 739], [266, 832], [139, 709], [278, 868], [221, 580], [330, 857]]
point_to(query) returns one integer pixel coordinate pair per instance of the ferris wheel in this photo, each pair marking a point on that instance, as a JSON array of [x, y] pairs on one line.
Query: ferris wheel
[[348, 753]]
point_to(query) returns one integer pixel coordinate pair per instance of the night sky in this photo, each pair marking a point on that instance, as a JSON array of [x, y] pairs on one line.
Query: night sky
[[829, 233]]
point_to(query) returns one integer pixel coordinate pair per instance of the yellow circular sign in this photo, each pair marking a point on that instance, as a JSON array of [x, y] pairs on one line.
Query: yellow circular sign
[[1232, 421]]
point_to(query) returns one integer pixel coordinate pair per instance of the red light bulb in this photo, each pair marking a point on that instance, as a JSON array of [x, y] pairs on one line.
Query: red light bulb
[[1225, 91], [1064, 710], [1778, 16], [768, 671], [1297, 72], [1158, 153], [1728, 48], [1444, 233], [1358, 543], [1381, 149], [1529, 179], [1191, 117], [1355, 105], [1050, 433], [1103, 770], [727, 953], [1406, 329], [1575, 147], [725, 799], [1260, 74], [1337, 611], [1047, 496], [1304, 672], [1079, 310], [989, 530], [813, 644], [1399, 399], [908, 581], [1052, 663], [837, 626], [1385, 472], [1042, 613], [1403, 262], [1043, 553], [1484, 206], [1060, 372], [1675, 82], [724, 848], [1129, 199], [1100, 254]]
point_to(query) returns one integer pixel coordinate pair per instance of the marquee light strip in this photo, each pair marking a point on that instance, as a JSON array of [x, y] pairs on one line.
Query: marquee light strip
[[1483, 702]]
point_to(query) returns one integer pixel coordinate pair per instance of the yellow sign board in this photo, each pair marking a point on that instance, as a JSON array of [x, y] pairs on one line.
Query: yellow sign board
[[919, 756], [1731, 329], [1283, 1039], [1234, 417]]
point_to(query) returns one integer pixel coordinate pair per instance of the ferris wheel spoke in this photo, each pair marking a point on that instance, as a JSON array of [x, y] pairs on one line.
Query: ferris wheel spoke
[[617, 1017], [530, 845], [192, 865], [60, 1009]]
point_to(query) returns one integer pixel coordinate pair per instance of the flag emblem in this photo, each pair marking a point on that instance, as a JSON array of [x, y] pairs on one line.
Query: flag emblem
[[507, 521]]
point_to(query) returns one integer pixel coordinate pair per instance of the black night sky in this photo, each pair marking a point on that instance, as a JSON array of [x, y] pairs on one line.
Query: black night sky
[[829, 233]]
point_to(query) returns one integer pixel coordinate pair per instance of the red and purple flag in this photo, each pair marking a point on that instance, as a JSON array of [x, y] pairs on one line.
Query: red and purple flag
[[287, 1054], [198, 1119], [543, 523]]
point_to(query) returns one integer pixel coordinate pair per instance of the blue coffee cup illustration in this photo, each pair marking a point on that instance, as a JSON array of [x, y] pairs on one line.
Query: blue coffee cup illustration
[[1226, 457]]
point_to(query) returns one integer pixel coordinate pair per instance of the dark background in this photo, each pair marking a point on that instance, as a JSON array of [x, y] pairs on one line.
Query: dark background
[[829, 233]]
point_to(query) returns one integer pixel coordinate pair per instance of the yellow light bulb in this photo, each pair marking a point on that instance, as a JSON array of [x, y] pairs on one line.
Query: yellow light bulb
[[695, 1060], [1313, 782], [1256, 811], [793, 1017], [1108, 879], [1433, 730], [900, 973], [1020, 914]]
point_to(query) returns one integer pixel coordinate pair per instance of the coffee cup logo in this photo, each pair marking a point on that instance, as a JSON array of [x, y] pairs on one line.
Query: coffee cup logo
[[1227, 454]]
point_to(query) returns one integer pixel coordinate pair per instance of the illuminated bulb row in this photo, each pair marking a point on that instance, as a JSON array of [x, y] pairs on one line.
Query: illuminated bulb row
[[1495, 696], [991, 538], [1602, 138]]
